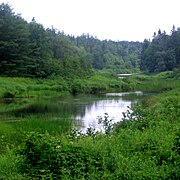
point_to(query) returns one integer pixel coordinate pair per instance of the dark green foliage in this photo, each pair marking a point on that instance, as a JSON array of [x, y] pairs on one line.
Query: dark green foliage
[[27, 49], [14, 43], [162, 54], [40, 51], [8, 95], [176, 146], [109, 54]]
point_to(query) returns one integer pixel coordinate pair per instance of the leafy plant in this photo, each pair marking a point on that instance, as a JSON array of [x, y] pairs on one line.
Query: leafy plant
[[107, 123], [45, 155]]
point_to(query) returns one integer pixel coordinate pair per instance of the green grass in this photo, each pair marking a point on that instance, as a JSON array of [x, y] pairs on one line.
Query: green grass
[[45, 123], [146, 148], [9, 166], [26, 87], [157, 82]]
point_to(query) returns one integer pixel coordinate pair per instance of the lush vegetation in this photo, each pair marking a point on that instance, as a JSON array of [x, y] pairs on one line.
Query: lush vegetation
[[121, 56], [145, 145], [99, 82], [30, 50], [37, 142], [162, 53]]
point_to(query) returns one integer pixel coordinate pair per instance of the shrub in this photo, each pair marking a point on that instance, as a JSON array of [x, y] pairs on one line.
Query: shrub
[[45, 156], [9, 166]]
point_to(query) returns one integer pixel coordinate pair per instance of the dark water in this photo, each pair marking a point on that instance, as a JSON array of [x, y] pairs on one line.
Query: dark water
[[83, 109]]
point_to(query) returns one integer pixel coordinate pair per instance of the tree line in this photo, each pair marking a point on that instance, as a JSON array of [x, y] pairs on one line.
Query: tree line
[[120, 55], [30, 50], [162, 53]]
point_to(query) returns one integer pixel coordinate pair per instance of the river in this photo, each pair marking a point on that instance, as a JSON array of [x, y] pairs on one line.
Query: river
[[82, 109]]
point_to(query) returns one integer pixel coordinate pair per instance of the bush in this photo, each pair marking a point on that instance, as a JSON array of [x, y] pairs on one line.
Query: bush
[[45, 156]]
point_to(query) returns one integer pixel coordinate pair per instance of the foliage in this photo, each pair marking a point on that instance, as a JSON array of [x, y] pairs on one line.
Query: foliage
[[13, 42], [162, 54], [121, 56], [46, 157], [97, 83], [30, 50], [144, 145], [107, 123], [9, 166], [8, 137]]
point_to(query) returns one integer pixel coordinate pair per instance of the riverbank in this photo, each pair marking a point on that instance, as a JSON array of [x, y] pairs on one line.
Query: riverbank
[[145, 145], [26, 87]]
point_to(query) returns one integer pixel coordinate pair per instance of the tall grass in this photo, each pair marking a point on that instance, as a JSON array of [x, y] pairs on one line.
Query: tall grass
[[157, 83], [9, 166], [45, 123], [26, 87]]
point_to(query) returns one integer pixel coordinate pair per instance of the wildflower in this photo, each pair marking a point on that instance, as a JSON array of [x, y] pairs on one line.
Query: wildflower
[[58, 147]]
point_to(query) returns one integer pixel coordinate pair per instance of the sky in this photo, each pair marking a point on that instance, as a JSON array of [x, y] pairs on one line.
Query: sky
[[118, 20]]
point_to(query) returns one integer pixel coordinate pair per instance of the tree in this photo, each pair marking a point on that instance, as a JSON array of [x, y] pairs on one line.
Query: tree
[[159, 32], [173, 29], [163, 53], [14, 42], [41, 51]]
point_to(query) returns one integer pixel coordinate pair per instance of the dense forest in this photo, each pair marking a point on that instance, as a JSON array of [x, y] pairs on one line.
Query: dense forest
[[27, 49], [30, 50], [162, 53], [110, 54]]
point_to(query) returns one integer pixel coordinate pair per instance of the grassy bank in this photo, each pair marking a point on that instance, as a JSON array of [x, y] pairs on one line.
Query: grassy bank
[[26, 87], [145, 145]]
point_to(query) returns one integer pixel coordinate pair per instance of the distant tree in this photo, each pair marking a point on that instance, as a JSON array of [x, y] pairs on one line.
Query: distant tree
[[154, 35], [159, 32], [110, 54], [163, 53], [28, 49], [173, 29]]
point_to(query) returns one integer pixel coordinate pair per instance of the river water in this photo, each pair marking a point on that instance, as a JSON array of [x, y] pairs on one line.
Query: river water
[[84, 110], [114, 104]]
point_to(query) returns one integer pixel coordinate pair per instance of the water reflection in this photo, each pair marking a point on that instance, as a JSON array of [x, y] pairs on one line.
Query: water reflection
[[82, 108], [113, 107], [114, 104], [125, 93]]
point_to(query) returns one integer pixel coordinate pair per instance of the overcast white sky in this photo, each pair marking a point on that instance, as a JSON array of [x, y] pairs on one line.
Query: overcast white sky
[[132, 20]]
